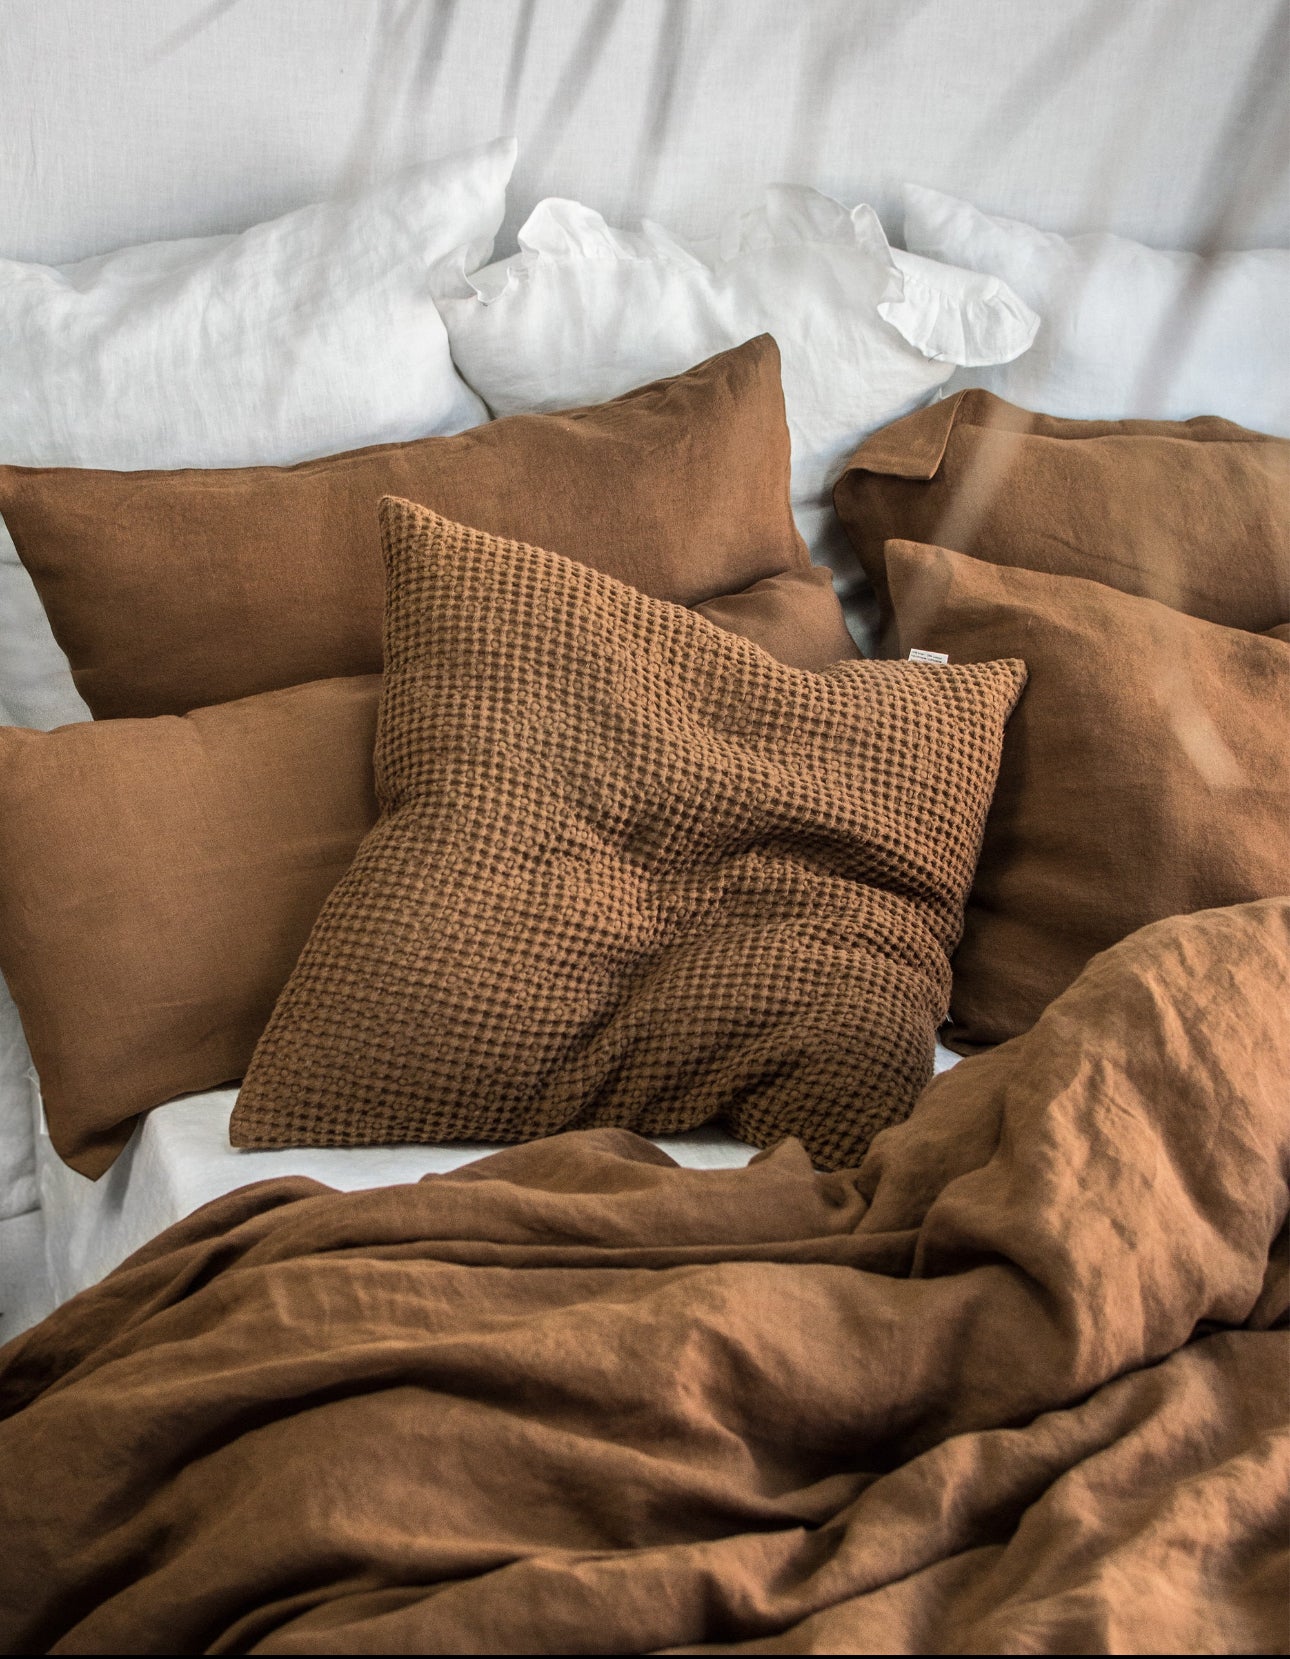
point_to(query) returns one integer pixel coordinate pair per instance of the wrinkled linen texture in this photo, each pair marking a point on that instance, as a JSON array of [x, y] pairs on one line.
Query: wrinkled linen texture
[[1015, 1385]]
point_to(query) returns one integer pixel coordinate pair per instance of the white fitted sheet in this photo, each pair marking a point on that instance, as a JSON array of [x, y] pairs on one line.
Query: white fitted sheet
[[180, 1158]]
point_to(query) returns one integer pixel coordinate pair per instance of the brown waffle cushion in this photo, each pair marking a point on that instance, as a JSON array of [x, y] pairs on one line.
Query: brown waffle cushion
[[160, 879], [1145, 773], [1194, 514], [629, 870], [173, 590]]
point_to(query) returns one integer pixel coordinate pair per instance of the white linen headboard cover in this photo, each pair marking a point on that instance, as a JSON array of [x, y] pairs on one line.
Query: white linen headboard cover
[[131, 120]]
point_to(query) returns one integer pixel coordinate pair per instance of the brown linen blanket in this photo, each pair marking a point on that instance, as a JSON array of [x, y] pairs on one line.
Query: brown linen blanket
[[1014, 1386]]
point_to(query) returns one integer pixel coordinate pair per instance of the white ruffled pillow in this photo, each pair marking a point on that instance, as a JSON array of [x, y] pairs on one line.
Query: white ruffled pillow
[[313, 333], [866, 333], [1128, 332]]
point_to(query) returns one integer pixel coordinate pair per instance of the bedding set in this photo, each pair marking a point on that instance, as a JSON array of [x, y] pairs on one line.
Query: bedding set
[[493, 951]]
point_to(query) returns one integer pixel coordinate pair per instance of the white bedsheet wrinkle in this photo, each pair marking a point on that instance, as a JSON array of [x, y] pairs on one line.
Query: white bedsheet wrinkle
[[180, 1158], [17, 1091]]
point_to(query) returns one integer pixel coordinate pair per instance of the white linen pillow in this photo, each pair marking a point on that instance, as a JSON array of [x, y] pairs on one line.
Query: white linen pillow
[[1128, 332], [865, 333], [308, 334], [312, 333]]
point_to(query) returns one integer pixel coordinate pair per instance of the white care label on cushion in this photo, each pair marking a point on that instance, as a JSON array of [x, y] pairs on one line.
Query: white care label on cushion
[[928, 656]]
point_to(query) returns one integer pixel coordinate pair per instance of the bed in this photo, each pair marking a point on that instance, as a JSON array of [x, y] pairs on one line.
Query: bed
[[644, 913]]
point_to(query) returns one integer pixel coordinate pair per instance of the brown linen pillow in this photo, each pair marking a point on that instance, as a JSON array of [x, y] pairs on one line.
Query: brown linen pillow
[[173, 590], [631, 871], [160, 878], [1145, 773], [1195, 514], [795, 616]]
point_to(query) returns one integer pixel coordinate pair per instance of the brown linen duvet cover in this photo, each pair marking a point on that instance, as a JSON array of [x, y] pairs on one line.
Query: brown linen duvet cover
[[1019, 1384]]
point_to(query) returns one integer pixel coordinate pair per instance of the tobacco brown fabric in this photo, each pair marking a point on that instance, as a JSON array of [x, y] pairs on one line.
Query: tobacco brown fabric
[[630, 870], [1195, 514], [796, 617], [172, 590], [1146, 772], [160, 879], [1012, 1388]]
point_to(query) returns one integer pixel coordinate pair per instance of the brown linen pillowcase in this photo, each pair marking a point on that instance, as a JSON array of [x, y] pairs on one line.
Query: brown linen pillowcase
[[1145, 773], [173, 590], [630, 870], [161, 877], [1195, 514]]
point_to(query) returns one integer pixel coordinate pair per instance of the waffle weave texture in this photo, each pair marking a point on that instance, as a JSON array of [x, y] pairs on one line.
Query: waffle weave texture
[[629, 870]]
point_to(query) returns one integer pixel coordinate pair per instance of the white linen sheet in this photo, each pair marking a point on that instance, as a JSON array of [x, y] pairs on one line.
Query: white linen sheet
[[180, 1158]]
